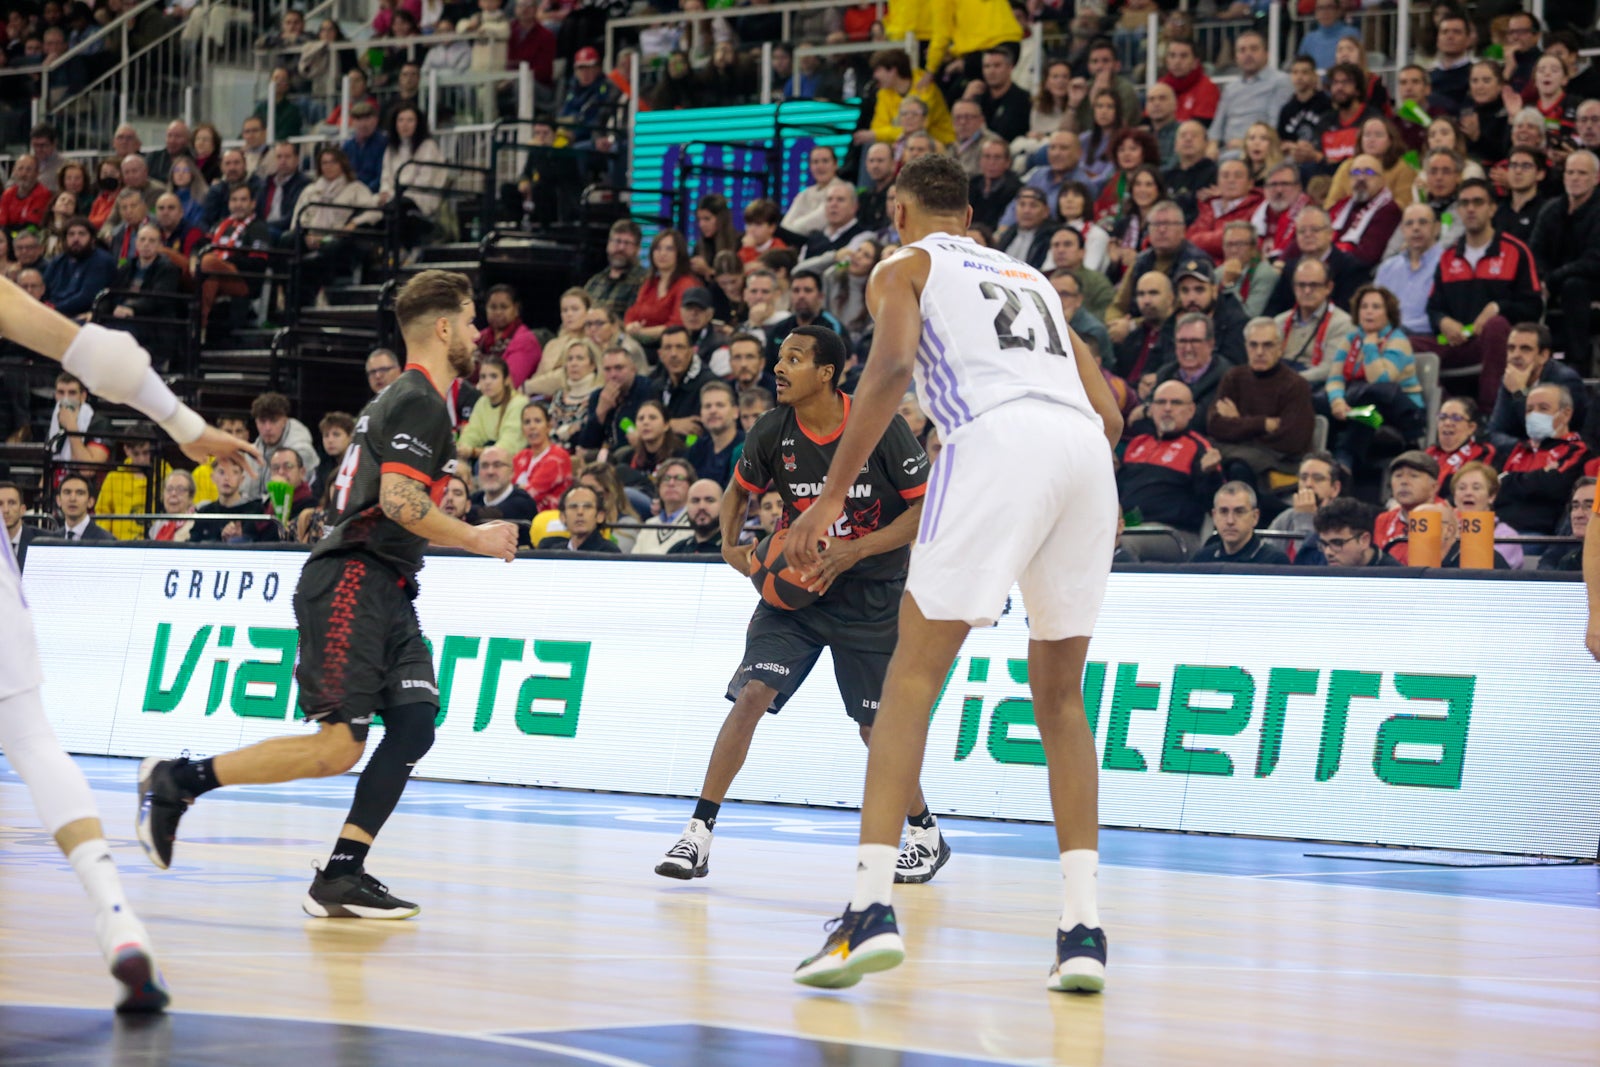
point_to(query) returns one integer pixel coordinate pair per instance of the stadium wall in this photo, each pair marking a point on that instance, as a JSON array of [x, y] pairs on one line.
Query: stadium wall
[[1402, 711]]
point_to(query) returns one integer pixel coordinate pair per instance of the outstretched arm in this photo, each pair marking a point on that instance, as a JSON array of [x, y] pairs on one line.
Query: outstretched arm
[[405, 501], [111, 364]]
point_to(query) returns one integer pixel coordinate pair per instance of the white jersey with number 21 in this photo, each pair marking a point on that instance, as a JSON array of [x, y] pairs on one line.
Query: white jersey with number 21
[[992, 332]]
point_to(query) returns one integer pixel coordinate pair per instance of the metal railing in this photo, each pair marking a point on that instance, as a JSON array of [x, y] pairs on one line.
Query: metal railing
[[154, 76], [785, 10]]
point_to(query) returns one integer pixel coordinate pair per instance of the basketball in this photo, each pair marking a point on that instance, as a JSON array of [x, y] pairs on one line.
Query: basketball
[[778, 584]]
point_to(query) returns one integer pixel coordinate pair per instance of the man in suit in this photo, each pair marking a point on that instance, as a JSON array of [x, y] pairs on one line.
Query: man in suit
[[148, 282], [72, 502]]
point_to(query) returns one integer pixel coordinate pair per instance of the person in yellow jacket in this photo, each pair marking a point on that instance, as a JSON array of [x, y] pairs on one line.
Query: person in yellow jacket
[[125, 490], [909, 16], [964, 29], [891, 68]]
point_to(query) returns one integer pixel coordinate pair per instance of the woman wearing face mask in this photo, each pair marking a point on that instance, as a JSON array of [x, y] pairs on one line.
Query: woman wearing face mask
[[1474, 488], [105, 201]]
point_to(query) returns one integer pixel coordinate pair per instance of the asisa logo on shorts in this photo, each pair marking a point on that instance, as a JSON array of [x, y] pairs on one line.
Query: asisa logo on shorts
[[249, 670]]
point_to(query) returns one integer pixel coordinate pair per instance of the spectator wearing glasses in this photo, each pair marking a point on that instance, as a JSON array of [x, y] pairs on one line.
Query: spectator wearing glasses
[[1313, 238], [670, 523], [1461, 438], [1540, 472], [603, 327], [383, 367], [1169, 250], [617, 286], [1344, 535], [1364, 221], [1171, 473], [1235, 514], [498, 490], [1519, 209], [1315, 328], [1319, 480]]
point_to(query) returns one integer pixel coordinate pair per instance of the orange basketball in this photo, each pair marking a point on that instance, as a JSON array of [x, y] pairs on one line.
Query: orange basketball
[[778, 583]]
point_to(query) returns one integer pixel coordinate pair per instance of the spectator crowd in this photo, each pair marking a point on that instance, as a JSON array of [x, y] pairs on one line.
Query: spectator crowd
[[1326, 300]]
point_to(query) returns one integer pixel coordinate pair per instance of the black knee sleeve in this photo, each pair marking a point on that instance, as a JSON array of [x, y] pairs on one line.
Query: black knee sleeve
[[407, 736], [410, 730]]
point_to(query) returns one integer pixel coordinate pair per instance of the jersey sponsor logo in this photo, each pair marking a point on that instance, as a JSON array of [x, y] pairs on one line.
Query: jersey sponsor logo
[[405, 442], [1004, 272], [419, 683], [802, 490], [912, 464], [771, 668]]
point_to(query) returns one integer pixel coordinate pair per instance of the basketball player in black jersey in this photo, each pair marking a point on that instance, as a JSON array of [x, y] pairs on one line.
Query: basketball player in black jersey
[[862, 575], [361, 651]]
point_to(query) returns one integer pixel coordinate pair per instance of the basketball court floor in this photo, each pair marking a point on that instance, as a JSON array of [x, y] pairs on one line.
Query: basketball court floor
[[545, 939]]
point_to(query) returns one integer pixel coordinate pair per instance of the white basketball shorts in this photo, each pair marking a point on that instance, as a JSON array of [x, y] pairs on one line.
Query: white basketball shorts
[[19, 654], [1023, 494]]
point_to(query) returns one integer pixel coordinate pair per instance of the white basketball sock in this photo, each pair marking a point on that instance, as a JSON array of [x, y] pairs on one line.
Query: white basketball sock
[[98, 872], [1079, 873], [874, 875]]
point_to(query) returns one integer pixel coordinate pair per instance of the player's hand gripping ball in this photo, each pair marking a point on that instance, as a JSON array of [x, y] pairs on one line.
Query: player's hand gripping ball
[[778, 583]]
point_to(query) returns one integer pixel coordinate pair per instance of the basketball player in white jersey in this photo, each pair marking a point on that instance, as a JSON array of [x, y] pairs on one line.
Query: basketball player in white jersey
[[113, 366], [1011, 388]]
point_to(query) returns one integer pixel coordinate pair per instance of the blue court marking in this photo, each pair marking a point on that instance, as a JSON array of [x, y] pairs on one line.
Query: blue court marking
[[85, 1037], [661, 817]]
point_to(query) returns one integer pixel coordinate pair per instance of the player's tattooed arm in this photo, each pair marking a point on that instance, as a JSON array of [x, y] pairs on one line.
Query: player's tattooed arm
[[405, 500]]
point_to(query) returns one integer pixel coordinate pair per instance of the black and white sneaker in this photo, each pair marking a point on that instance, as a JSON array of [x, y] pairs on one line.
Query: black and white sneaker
[[161, 804], [1080, 960], [691, 856], [921, 856], [354, 896]]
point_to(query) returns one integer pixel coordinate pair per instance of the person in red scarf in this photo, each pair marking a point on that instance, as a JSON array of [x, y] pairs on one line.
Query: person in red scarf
[[1461, 439], [1364, 221], [1548, 92], [1274, 217], [240, 240], [1197, 94]]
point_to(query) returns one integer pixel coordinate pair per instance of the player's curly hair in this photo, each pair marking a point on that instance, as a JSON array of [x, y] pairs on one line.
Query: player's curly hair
[[937, 183]]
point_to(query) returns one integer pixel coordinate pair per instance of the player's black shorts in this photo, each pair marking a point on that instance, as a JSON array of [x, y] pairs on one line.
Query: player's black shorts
[[361, 649], [858, 621]]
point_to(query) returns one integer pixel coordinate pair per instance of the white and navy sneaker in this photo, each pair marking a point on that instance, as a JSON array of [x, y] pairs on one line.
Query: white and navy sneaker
[[126, 947], [691, 856], [354, 896], [1080, 960], [859, 943], [921, 856]]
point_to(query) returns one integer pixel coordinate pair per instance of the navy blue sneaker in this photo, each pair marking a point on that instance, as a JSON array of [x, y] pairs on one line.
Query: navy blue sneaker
[[1080, 960], [859, 943]]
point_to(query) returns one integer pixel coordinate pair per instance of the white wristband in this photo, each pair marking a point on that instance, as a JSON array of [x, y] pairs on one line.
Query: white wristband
[[184, 425], [154, 399]]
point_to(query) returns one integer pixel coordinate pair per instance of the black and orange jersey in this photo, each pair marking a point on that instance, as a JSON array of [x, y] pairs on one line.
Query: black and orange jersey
[[403, 430], [779, 451]]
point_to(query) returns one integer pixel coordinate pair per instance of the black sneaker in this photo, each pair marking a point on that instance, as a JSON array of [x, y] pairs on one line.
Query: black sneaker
[[354, 896], [1080, 960], [161, 804], [859, 943]]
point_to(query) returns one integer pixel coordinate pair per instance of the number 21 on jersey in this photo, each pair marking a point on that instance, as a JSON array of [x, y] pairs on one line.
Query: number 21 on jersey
[[1006, 319]]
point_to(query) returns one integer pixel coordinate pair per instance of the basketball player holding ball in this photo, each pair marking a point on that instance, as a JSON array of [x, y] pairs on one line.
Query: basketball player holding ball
[[860, 576]]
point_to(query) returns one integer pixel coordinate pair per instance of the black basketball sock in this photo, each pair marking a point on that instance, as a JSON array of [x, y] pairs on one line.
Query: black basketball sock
[[195, 776], [706, 812], [348, 857], [922, 820]]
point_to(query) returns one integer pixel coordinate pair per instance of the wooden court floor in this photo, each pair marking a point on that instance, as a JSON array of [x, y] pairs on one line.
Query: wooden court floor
[[535, 930]]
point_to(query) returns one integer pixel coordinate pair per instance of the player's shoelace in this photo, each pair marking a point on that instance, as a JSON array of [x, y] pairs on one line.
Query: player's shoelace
[[913, 857], [685, 849]]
